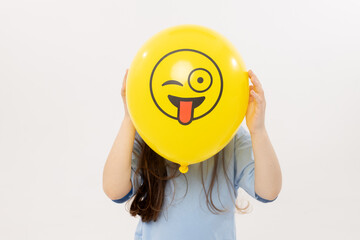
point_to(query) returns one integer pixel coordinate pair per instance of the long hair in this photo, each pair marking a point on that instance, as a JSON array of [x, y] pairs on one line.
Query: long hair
[[149, 198]]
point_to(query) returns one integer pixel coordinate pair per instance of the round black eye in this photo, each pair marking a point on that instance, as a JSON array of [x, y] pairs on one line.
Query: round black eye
[[200, 80]]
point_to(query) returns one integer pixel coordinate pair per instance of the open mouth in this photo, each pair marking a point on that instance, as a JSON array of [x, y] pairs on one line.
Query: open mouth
[[186, 107]]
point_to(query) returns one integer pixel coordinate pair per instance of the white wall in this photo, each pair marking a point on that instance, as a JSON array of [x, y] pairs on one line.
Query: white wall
[[61, 68]]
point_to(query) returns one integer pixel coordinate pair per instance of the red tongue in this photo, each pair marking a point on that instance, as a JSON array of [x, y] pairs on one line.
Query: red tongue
[[185, 111]]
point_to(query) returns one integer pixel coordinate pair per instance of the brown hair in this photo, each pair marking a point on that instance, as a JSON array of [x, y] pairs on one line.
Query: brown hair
[[148, 199]]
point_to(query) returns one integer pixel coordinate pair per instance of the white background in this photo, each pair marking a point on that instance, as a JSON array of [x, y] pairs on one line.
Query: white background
[[61, 69]]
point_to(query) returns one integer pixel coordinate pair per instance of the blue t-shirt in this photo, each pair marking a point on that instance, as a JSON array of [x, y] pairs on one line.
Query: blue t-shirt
[[188, 217]]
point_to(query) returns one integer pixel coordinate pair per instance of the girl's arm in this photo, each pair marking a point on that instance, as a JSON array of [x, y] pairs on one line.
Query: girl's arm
[[117, 170], [268, 178]]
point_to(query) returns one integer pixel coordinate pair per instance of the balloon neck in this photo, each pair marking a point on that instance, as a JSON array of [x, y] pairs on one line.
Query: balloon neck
[[183, 168]]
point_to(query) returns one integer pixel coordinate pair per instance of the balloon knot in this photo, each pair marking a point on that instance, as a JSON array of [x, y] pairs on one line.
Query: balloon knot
[[183, 168]]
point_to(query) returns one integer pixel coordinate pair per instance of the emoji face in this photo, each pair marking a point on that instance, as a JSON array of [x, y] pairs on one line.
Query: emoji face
[[186, 85]]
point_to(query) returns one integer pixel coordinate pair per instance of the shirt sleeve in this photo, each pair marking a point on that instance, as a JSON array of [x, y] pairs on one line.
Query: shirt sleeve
[[136, 180], [245, 165]]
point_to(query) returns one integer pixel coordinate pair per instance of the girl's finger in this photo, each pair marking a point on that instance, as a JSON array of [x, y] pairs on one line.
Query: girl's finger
[[251, 88], [125, 77], [123, 88], [251, 98], [256, 96], [255, 81]]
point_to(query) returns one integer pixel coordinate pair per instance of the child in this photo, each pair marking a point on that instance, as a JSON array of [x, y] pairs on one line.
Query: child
[[201, 203]]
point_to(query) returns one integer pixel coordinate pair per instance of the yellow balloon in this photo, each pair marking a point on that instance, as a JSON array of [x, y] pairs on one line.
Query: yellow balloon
[[187, 93]]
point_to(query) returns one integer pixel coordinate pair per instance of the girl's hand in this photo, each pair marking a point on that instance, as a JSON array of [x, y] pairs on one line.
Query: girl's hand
[[255, 115], [123, 94]]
